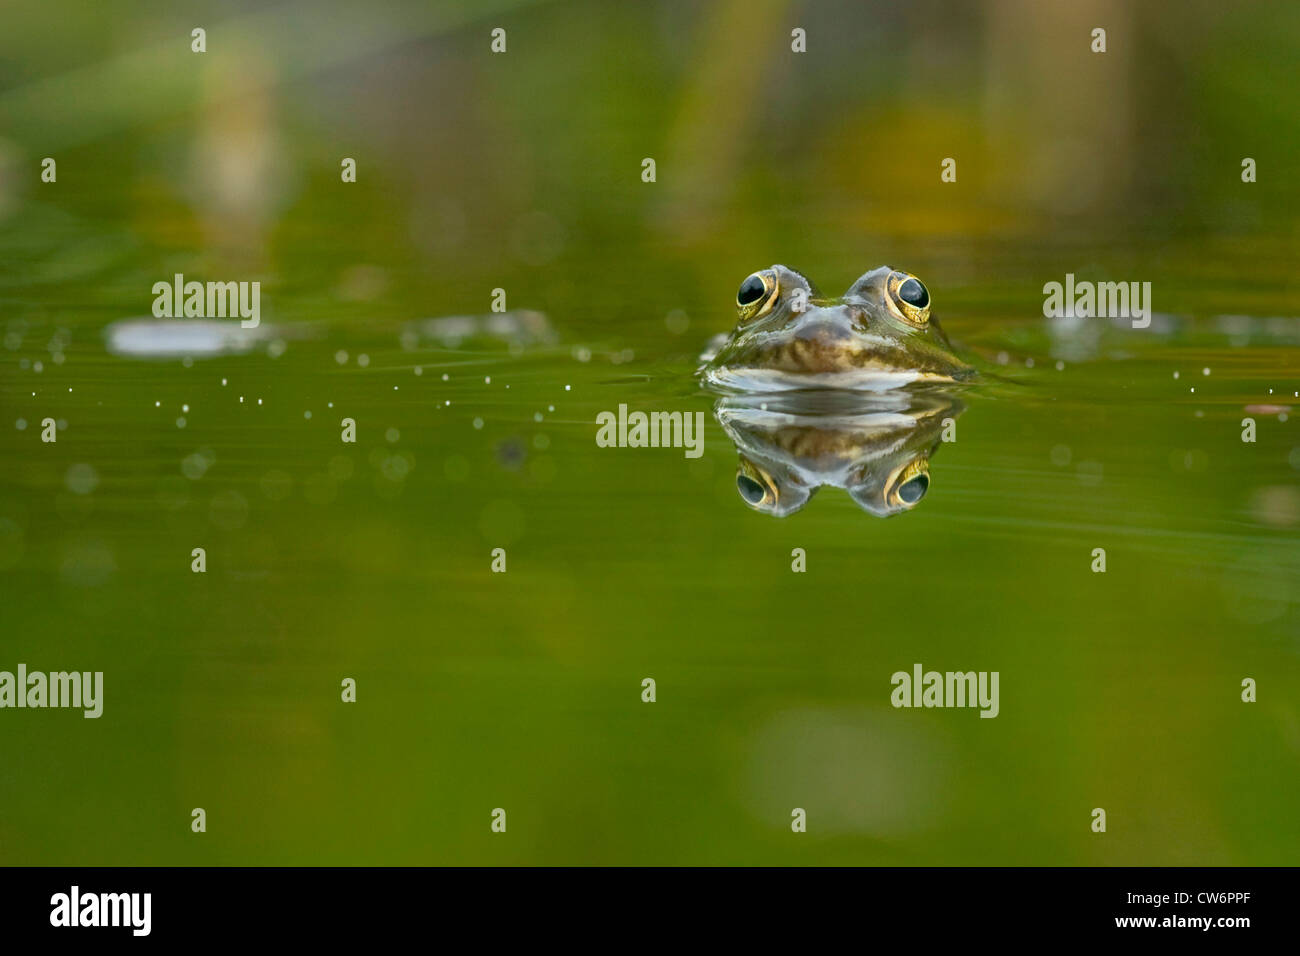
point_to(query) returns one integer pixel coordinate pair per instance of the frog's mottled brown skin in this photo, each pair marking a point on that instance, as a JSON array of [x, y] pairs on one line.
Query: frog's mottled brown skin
[[878, 336]]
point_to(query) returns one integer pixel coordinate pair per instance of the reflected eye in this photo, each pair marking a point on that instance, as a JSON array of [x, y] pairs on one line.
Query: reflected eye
[[913, 491], [910, 484], [910, 298], [750, 489], [757, 294]]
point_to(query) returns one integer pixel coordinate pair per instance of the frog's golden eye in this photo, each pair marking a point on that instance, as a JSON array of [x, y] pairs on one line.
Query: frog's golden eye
[[909, 298], [911, 484], [757, 294]]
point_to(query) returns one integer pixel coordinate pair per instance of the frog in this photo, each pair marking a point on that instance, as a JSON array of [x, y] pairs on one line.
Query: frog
[[877, 446], [880, 335]]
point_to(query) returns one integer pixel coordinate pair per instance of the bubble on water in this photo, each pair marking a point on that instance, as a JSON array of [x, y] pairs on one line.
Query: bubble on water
[[1060, 455], [38, 367], [478, 424], [419, 370], [537, 416], [196, 465], [397, 467], [307, 415], [363, 360], [1277, 505], [223, 383], [61, 424], [1060, 366], [81, 479], [582, 353], [567, 387], [341, 356], [185, 409], [1090, 473], [392, 435], [444, 376], [487, 379], [1205, 371], [21, 424], [180, 423], [276, 348]]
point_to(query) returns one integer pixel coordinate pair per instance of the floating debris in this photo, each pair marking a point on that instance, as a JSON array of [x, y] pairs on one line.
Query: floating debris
[[177, 338], [518, 328]]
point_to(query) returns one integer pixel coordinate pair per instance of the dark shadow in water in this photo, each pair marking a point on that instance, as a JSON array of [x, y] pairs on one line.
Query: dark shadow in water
[[876, 446]]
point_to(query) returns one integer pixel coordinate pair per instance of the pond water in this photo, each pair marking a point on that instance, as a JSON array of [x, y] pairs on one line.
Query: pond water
[[474, 431]]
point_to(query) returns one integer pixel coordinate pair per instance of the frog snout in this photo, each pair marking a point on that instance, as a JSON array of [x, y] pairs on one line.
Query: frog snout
[[824, 331]]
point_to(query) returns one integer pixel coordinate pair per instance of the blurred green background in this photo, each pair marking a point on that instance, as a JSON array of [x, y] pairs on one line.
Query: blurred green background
[[522, 171]]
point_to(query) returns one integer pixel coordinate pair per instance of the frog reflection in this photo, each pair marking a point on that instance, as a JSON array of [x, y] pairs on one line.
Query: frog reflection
[[877, 447]]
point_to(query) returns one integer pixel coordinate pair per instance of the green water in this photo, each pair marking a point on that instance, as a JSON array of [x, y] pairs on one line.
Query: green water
[[522, 690]]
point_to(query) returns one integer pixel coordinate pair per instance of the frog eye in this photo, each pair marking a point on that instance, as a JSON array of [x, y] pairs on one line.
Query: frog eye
[[757, 294], [914, 489], [755, 487], [909, 298], [750, 490], [911, 484]]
